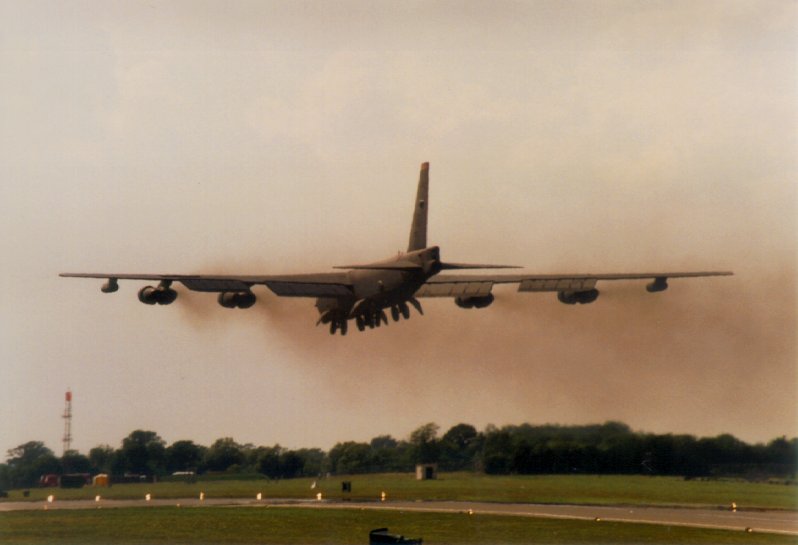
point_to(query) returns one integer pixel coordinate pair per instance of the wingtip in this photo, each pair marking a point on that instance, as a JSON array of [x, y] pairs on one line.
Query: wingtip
[[424, 166]]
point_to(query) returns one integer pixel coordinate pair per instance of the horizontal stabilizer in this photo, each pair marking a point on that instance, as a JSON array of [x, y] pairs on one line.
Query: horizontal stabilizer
[[391, 266], [455, 266]]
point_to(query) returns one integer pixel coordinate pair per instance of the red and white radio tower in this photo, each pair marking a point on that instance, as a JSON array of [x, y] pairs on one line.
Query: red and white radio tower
[[67, 421]]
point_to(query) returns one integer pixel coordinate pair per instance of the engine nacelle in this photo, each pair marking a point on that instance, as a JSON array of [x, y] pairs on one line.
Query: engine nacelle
[[660, 283], [110, 286], [161, 295], [227, 299], [474, 302], [237, 299], [580, 297]]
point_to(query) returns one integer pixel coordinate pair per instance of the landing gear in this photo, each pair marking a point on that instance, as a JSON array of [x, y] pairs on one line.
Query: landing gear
[[338, 324], [367, 314]]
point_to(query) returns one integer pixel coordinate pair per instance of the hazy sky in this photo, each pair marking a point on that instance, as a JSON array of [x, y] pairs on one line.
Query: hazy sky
[[270, 137]]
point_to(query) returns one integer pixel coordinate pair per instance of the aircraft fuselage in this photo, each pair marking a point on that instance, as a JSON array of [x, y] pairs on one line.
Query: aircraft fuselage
[[388, 284]]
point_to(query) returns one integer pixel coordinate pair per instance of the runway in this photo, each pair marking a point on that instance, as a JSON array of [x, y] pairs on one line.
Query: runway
[[767, 521]]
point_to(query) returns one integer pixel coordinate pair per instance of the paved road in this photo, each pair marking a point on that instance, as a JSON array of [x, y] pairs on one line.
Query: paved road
[[770, 521]]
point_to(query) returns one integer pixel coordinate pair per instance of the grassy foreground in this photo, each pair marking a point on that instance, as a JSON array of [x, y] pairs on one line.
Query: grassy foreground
[[217, 525], [567, 489]]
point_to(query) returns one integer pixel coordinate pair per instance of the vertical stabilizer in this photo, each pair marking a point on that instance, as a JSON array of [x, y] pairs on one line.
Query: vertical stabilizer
[[418, 229]]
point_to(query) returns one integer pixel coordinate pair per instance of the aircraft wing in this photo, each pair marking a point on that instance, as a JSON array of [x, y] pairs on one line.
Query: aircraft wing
[[331, 284], [480, 285]]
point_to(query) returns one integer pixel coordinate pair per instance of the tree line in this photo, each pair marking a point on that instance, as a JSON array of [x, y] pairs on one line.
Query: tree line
[[609, 448]]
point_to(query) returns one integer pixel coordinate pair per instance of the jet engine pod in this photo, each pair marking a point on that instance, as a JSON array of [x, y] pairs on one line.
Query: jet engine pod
[[660, 283], [580, 297], [474, 302], [227, 299], [110, 286], [166, 296], [147, 295], [245, 299], [160, 295], [463, 302], [236, 299]]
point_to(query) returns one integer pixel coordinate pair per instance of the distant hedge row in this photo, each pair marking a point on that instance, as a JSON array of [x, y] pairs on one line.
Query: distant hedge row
[[608, 448]]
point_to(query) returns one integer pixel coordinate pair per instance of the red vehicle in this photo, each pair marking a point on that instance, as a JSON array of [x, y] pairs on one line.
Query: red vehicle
[[51, 479], [70, 480]]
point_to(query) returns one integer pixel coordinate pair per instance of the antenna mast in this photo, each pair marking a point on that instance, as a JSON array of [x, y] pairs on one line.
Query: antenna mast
[[67, 421]]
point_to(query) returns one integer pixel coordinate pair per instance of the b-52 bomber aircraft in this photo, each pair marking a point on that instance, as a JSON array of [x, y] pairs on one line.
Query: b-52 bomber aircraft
[[363, 293]]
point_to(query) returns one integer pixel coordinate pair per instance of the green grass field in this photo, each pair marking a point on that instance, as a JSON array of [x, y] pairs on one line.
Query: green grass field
[[573, 489], [217, 525]]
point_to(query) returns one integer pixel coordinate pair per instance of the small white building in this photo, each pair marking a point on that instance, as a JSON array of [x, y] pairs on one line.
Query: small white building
[[425, 472]]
